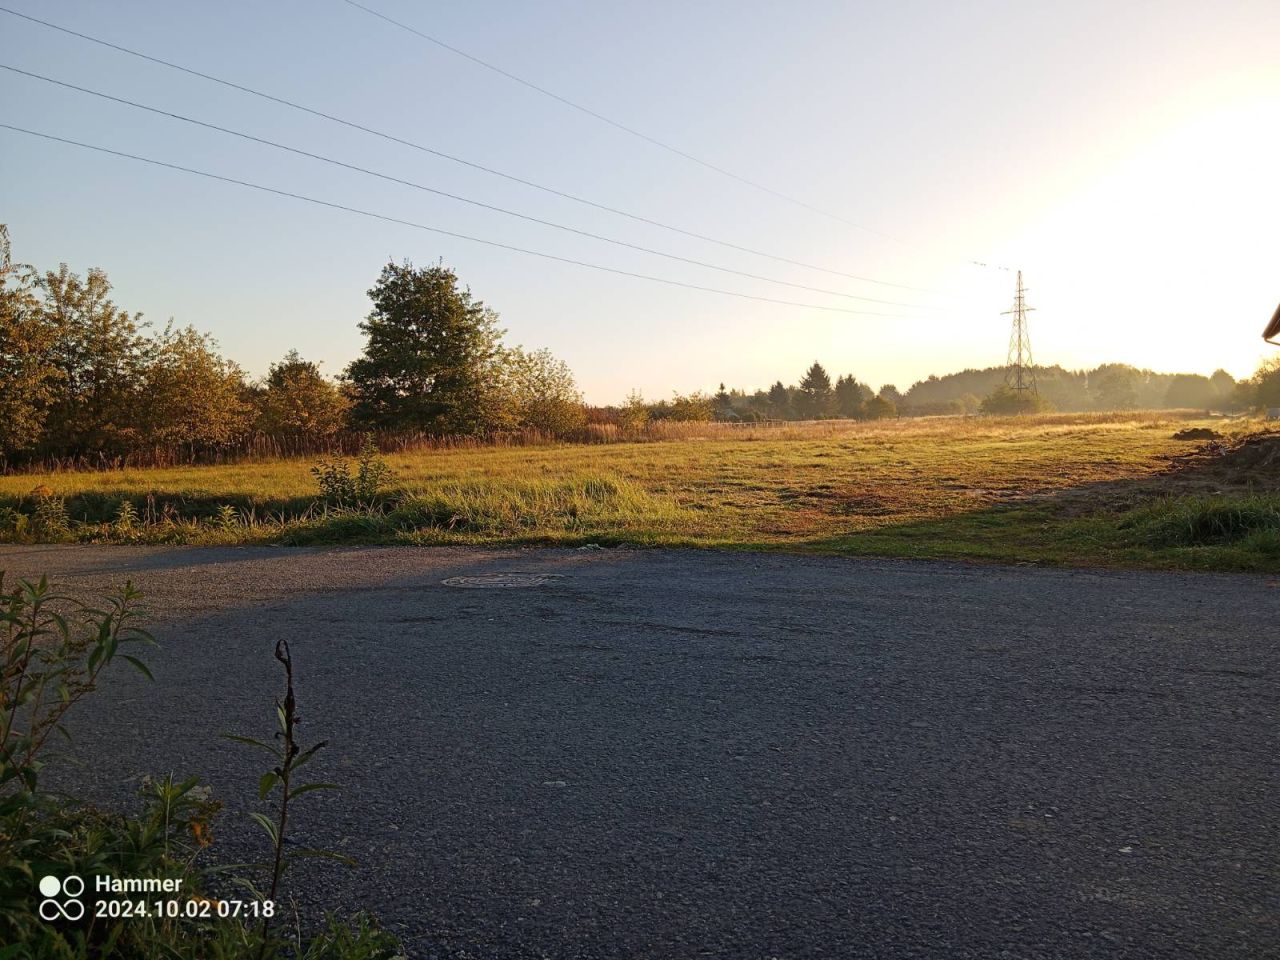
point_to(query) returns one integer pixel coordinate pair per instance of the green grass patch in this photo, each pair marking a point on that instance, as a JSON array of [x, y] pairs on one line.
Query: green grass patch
[[1193, 521], [1205, 533]]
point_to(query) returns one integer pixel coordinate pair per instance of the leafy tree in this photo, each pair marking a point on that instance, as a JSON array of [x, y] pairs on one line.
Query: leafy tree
[[880, 408], [297, 401], [931, 395], [1263, 388], [432, 357], [816, 396], [28, 377], [1224, 387], [694, 407], [543, 393], [100, 354], [1114, 387], [1190, 390], [195, 397], [1004, 401], [635, 412], [848, 400]]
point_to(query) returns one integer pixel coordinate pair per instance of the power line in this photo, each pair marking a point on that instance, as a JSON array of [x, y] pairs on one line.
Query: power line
[[448, 233], [392, 138], [643, 136], [452, 196], [619, 126]]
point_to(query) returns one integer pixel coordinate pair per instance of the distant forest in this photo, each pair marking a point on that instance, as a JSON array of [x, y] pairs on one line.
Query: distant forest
[[1112, 386]]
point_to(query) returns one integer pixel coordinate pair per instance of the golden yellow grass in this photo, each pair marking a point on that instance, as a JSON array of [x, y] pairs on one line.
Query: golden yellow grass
[[792, 486]]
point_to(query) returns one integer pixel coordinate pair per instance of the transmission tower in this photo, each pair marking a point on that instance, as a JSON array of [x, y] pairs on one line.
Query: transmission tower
[[1020, 373]]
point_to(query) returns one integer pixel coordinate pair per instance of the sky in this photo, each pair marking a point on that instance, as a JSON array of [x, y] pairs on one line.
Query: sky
[[1123, 155]]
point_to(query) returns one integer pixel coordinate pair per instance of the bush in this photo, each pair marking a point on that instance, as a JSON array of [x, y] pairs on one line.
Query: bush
[[694, 407], [1005, 401], [339, 487], [879, 408], [50, 520], [635, 413], [126, 520]]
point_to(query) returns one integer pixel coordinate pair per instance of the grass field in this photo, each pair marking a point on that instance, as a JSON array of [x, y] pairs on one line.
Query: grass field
[[1088, 489]]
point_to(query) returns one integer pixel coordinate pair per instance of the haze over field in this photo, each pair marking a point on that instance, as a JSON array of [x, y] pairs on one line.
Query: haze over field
[[1121, 155]]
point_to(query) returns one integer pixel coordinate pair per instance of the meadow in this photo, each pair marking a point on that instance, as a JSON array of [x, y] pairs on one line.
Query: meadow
[[1095, 489]]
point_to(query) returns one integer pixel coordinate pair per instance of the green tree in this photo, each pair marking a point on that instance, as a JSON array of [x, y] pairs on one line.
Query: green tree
[[195, 397], [780, 401], [816, 396], [100, 354], [432, 356], [297, 401], [848, 400], [691, 407], [1224, 388], [28, 377], [724, 404], [633, 414], [880, 407], [543, 393], [1005, 401], [1114, 387], [1189, 390], [1263, 388]]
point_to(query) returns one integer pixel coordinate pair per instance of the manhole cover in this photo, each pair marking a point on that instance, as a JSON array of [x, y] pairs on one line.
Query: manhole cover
[[491, 581]]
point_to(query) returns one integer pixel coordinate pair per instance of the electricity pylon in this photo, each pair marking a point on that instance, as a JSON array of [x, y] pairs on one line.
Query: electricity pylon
[[1020, 373]]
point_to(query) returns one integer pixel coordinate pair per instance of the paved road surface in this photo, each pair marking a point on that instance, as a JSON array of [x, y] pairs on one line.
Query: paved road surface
[[682, 754]]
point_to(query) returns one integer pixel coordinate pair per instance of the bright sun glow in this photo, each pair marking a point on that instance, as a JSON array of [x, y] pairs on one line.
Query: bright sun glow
[[1171, 253]]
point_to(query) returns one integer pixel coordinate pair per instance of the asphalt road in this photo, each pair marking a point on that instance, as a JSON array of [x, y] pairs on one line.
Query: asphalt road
[[686, 754]]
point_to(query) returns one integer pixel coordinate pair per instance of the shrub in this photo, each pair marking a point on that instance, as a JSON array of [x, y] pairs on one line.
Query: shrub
[[333, 477], [52, 650], [635, 413], [879, 408], [1005, 401], [696, 407], [13, 523], [228, 517], [126, 519], [339, 487], [50, 520], [372, 472]]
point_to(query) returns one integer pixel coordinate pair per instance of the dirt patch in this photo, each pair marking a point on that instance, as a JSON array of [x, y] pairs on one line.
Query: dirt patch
[[1257, 453], [1242, 465], [1250, 462]]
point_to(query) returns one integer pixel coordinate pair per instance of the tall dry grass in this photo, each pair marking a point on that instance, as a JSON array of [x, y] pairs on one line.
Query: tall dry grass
[[266, 447]]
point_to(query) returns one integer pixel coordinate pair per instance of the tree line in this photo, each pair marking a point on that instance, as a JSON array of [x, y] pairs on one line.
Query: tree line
[[82, 377], [817, 396], [1110, 386]]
